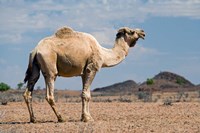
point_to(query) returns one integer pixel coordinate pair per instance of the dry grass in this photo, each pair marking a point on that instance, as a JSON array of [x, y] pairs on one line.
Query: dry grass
[[69, 96]]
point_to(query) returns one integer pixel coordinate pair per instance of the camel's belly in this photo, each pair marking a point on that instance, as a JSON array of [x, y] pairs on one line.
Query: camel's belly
[[68, 69], [70, 72]]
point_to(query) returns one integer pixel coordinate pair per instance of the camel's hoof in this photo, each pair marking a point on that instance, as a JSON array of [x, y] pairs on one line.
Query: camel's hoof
[[60, 119], [33, 120], [86, 118]]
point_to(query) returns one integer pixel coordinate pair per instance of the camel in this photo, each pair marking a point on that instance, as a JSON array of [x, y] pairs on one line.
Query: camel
[[70, 53]]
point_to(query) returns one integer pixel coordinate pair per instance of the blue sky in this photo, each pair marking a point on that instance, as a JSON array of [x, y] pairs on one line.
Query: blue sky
[[172, 36]]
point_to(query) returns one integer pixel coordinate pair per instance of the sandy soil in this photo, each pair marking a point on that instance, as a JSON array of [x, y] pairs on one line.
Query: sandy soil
[[109, 117]]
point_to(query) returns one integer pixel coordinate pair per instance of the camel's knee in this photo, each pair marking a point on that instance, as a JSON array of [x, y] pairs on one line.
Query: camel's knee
[[86, 96], [50, 100], [27, 95]]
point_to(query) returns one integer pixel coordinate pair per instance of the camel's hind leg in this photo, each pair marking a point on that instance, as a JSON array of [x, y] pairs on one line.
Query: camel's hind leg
[[50, 96], [48, 65], [34, 76]]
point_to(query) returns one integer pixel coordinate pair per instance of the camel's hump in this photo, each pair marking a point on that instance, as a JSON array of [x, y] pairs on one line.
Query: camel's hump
[[64, 32]]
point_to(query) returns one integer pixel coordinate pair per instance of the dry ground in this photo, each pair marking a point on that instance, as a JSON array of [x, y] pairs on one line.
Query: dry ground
[[113, 117]]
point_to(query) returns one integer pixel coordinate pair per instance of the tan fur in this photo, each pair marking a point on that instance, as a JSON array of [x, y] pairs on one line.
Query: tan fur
[[70, 53], [64, 32], [125, 29]]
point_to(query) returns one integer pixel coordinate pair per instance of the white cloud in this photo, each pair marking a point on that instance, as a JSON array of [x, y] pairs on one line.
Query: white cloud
[[105, 36], [26, 16], [10, 38], [175, 8]]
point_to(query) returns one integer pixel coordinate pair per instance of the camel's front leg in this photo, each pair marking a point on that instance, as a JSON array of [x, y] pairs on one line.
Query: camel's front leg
[[87, 79]]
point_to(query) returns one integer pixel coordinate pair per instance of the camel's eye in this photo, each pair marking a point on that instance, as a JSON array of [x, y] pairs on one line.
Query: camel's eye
[[132, 32]]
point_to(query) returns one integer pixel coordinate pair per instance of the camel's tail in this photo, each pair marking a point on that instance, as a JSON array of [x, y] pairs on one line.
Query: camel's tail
[[32, 62]]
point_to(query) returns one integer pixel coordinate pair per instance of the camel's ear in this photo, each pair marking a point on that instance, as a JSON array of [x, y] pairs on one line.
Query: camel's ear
[[120, 33]]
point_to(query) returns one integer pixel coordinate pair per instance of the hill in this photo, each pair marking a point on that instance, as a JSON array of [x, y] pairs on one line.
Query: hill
[[126, 86], [164, 81], [167, 81], [174, 78]]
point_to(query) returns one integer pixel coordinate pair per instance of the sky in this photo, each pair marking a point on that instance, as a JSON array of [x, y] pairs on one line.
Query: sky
[[172, 40]]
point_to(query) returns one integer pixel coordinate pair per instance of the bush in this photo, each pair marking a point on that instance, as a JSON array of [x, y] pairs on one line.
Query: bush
[[4, 87], [180, 81], [145, 96], [167, 102], [20, 85], [4, 102], [179, 96], [125, 99], [149, 81], [108, 100]]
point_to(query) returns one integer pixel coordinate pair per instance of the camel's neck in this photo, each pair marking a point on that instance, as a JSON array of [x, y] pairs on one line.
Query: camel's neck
[[114, 56]]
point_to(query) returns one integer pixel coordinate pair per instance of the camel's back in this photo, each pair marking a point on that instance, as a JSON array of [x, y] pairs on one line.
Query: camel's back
[[64, 32], [67, 40]]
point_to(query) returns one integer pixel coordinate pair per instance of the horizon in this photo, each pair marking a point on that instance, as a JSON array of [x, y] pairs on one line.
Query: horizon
[[171, 42], [139, 83]]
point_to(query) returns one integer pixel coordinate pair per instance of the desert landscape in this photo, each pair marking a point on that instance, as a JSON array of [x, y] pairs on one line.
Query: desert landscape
[[166, 103], [108, 117], [51, 49]]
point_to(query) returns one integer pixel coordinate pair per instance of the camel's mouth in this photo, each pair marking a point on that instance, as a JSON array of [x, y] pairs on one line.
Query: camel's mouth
[[142, 34]]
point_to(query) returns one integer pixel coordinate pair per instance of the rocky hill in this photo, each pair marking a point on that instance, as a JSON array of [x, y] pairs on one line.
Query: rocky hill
[[167, 81], [126, 86], [164, 81], [175, 78]]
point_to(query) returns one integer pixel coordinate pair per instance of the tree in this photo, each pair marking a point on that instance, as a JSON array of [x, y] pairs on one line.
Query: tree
[[4, 87], [20, 85]]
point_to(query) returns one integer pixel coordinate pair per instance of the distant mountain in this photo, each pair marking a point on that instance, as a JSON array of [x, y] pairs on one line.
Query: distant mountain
[[126, 86], [172, 77], [167, 81], [164, 81]]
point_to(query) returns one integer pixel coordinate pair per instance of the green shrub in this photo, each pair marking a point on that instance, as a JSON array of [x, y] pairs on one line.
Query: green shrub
[[4, 87], [20, 85], [149, 81], [180, 81]]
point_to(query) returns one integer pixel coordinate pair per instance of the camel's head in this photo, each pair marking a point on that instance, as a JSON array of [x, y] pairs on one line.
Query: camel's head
[[130, 35]]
